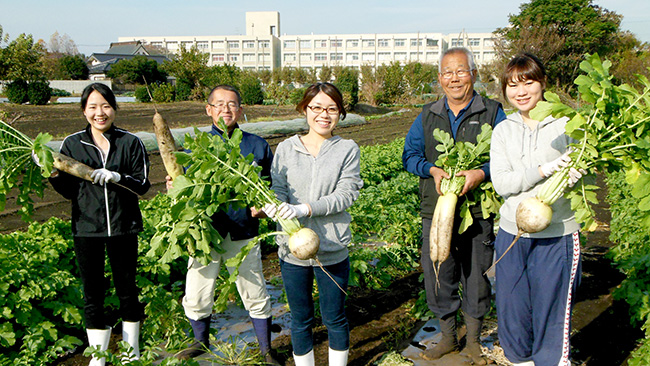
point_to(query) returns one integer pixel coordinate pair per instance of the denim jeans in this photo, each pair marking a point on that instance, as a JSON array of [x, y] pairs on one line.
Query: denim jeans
[[298, 283], [123, 256]]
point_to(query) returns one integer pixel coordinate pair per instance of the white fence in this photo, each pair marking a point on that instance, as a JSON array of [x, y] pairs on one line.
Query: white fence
[[71, 86]]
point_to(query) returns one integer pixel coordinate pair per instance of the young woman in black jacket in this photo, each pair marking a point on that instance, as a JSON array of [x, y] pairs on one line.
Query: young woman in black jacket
[[105, 214]]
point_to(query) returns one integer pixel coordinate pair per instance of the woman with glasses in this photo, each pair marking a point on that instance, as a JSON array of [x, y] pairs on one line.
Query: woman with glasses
[[317, 177], [538, 277]]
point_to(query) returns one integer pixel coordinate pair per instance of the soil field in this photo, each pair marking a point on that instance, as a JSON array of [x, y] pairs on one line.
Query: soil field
[[379, 320]]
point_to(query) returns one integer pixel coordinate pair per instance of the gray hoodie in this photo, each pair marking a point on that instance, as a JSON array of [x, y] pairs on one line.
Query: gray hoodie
[[516, 152], [329, 183]]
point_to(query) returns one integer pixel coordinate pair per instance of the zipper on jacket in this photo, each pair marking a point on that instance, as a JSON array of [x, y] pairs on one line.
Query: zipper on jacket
[[104, 158]]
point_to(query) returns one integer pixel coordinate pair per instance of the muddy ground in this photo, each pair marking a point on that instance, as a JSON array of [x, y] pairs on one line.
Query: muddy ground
[[379, 320]]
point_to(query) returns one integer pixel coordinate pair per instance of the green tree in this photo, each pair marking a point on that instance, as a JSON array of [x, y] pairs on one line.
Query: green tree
[[560, 32], [137, 70], [189, 67], [250, 89], [72, 67], [325, 74], [393, 84], [22, 60], [347, 80]]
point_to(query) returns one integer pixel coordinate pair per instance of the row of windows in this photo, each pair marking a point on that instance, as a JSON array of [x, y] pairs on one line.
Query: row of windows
[[246, 57], [203, 45], [352, 43], [365, 56]]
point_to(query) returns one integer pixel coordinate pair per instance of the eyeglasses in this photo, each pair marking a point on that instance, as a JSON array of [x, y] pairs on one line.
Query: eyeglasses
[[459, 73], [318, 109], [230, 105]]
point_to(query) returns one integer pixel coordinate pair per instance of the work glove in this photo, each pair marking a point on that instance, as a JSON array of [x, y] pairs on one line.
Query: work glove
[[555, 165], [288, 211], [575, 175], [103, 176], [36, 160], [270, 209]]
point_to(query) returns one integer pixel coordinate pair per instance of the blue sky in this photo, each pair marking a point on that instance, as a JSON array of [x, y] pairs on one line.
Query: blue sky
[[93, 26]]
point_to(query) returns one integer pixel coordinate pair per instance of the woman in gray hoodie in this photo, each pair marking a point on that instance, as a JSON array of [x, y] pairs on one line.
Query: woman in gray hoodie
[[537, 279], [317, 176]]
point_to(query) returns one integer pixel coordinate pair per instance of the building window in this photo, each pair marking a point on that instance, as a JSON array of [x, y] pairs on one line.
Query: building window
[[249, 44], [156, 44], [274, 31], [488, 42], [172, 45], [336, 43], [432, 56], [305, 44], [383, 43], [351, 57], [263, 57], [488, 56], [320, 57], [290, 44], [217, 44], [233, 44], [456, 42], [305, 57], [233, 58], [367, 56], [336, 56], [474, 42], [218, 58], [416, 56], [264, 44], [432, 42], [383, 56], [249, 57], [202, 45], [351, 43], [187, 44], [320, 43], [289, 57], [400, 56], [400, 42], [415, 42], [368, 43]]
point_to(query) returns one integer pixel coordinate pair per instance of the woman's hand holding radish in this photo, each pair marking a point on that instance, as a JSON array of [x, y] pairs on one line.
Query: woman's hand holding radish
[[270, 209], [288, 211], [575, 175], [547, 169], [103, 176]]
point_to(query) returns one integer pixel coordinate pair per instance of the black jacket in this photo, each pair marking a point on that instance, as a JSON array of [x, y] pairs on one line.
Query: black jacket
[[109, 210]]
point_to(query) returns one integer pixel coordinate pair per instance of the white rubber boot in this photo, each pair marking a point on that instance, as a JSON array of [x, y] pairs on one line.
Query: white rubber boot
[[98, 337], [338, 358], [131, 335], [304, 360]]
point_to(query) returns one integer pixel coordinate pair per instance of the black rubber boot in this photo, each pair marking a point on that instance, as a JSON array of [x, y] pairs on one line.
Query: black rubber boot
[[473, 337], [201, 343], [449, 341], [262, 329]]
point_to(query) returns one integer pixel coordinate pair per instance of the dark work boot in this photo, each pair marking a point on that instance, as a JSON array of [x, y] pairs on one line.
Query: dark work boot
[[473, 337], [262, 329], [201, 342], [449, 341]]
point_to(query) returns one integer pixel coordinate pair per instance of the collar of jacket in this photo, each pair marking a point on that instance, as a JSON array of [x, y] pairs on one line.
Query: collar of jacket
[[476, 105], [88, 136], [217, 131]]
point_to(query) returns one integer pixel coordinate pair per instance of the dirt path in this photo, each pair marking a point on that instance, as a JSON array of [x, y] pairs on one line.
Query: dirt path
[[379, 319]]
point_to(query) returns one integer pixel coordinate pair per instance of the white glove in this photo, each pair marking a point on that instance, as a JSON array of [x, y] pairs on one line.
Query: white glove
[[288, 211], [36, 160], [270, 209], [103, 176], [553, 166], [575, 175]]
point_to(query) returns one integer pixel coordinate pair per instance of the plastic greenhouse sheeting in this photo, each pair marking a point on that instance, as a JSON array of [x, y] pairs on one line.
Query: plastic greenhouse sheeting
[[263, 129]]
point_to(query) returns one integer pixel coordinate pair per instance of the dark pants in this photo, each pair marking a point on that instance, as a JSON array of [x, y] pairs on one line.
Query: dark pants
[[536, 282], [299, 283], [122, 254], [470, 256]]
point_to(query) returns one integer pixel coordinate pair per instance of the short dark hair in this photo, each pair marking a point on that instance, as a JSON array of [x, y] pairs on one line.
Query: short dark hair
[[329, 89], [225, 87], [524, 66], [102, 89]]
